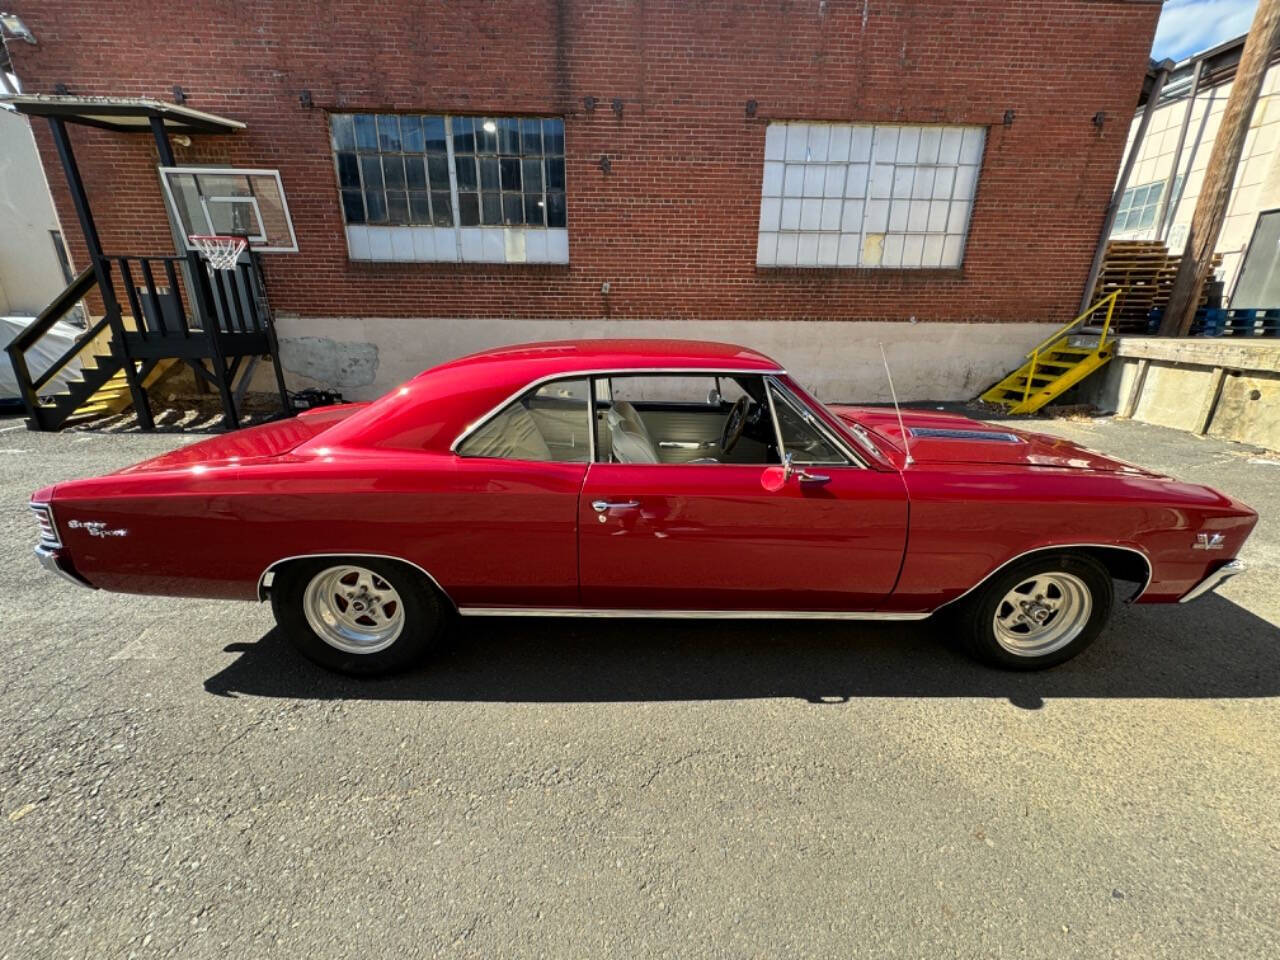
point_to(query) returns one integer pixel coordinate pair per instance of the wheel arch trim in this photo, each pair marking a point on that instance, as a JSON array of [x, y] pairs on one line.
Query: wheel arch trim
[[267, 576], [1056, 547]]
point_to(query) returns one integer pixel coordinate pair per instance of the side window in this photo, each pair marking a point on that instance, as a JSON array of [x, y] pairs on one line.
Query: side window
[[549, 423], [799, 436], [683, 418], [693, 389]]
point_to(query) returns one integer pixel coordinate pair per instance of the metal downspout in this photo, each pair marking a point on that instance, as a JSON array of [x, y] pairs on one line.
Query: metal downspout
[[1167, 194]]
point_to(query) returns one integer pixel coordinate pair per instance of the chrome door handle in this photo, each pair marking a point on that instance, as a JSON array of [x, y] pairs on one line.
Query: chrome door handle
[[804, 476], [600, 506]]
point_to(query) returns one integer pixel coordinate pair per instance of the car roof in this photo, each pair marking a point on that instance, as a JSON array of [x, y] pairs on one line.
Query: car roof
[[433, 408], [555, 356]]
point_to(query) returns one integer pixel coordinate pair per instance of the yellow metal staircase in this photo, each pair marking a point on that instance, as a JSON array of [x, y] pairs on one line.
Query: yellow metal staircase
[[1056, 364]]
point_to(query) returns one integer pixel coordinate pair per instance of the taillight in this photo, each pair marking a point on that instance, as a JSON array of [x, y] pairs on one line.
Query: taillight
[[48, 529]]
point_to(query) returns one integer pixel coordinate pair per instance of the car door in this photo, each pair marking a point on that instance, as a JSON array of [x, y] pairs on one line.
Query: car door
[[827, 536]]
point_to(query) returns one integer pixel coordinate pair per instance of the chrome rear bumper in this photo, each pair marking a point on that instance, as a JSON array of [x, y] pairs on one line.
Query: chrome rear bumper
[[51, 559], [1219, 576]]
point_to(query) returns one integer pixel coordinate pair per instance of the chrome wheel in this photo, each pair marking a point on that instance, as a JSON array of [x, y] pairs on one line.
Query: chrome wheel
[[1043, 613], [353, 609]]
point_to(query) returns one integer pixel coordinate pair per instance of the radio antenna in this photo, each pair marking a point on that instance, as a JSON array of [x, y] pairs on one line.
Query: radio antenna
[[906, 441]]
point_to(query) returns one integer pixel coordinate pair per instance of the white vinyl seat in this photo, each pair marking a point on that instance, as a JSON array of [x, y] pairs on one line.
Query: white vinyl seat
[[629, 435]]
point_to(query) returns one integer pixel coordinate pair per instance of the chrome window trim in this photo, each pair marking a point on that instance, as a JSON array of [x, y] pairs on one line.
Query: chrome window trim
[[591, 420], [599, 372], [857, 430], [267, 577], [816, 422], [773, 415], [1060, 546], [688, 614]]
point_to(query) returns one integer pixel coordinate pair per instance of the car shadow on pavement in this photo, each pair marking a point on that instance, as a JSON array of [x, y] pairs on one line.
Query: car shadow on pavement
[[1210, 649]]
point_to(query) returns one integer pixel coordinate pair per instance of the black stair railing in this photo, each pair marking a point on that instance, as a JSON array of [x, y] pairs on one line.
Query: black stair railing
[[153, 307], [28, 387], [236, 298], [159, 306]]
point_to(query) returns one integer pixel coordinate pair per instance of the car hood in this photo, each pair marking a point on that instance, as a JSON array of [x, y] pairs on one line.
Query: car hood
[[940, 437], [250, 445]]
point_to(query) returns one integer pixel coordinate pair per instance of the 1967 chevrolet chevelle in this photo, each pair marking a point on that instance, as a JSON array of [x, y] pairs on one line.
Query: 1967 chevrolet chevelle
[[641, 479]]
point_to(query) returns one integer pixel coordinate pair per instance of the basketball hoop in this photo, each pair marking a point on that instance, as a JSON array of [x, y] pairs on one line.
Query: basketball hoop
[[221, 252]]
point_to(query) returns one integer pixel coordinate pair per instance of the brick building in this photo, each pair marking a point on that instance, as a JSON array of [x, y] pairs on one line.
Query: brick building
[[809, 178]]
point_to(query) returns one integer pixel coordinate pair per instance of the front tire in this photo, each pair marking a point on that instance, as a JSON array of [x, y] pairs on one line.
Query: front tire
[[357, 615], [1038, 612]]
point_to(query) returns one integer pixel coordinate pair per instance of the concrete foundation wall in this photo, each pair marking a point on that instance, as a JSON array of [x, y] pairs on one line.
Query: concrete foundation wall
[[837, 360], [1225, 388]]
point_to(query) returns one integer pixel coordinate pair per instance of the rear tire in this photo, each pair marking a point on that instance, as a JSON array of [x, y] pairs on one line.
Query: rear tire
[[1037, 613], [357, 615]]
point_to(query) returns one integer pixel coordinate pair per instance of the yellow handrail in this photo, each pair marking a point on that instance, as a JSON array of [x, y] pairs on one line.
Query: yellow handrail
[[1109, 300], [1034, 355]]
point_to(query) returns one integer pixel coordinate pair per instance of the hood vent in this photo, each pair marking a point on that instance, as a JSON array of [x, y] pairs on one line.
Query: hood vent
[[949, 433]]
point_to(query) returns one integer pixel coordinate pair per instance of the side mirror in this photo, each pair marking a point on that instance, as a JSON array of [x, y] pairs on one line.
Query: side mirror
[[802, 475], [775, 478]]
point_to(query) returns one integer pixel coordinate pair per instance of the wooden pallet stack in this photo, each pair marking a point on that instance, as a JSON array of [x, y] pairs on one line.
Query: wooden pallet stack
[[1143, 271]]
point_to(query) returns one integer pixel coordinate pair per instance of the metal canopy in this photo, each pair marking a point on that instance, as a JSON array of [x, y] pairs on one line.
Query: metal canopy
[[121, 114]]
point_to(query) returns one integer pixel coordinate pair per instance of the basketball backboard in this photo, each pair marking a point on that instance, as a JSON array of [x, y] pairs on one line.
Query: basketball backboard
[[231, 201]]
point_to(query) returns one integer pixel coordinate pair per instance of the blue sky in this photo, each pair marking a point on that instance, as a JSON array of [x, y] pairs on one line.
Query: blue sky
[[1189, 26]]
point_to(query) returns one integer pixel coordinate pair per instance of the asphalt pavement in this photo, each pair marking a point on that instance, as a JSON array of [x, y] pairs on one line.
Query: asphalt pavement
[[176, 782]]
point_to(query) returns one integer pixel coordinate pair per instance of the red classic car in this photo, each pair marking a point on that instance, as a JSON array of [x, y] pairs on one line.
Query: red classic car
[[641, 479]]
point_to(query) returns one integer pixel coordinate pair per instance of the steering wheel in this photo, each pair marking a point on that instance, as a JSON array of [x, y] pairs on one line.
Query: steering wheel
[[734, 424]]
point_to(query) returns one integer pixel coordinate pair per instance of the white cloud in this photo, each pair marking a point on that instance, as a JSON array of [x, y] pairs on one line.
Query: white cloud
[[1189, 26]]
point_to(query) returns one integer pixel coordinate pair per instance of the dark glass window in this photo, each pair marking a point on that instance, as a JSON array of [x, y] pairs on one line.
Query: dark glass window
[[491, 207], [555, 209], [510, 167], [415, 172], [393, 172], [411, 135], [469, 209], [389, 133], [348, 170], [366, 132], [353, 206], [394, 169]]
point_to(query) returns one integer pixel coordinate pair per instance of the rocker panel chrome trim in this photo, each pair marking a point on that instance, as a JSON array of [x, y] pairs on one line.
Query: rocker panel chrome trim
[[685, 614], [267, 577]]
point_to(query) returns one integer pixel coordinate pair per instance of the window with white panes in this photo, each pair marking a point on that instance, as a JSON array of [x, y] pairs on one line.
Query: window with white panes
[[854, 195], [443, 188], [1139, 205]]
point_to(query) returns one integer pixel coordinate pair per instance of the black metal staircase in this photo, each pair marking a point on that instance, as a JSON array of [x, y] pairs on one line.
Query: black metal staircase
[[179, 310]]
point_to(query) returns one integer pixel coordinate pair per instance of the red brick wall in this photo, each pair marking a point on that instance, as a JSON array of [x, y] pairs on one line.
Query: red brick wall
[[673, 227]]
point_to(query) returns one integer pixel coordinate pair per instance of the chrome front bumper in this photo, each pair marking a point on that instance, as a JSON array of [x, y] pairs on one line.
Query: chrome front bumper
[[51, 560], [1219, 576]]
